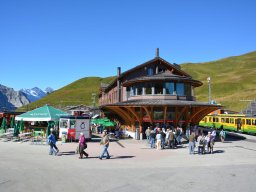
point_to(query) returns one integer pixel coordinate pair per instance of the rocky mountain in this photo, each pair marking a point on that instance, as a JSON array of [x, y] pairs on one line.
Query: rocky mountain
[[11, 99], [33, 94]]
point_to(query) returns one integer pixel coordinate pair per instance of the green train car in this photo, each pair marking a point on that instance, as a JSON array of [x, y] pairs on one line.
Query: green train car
[[230, 122]]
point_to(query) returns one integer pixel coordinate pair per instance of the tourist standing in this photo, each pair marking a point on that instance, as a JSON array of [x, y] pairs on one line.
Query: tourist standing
[[191, 144], [105, 142], [201, 144], [222, 135], [163, 135], [82, 146], [207, 141], [147, 132], [171, 139], [158, 139], [152, 139], [52, 142]]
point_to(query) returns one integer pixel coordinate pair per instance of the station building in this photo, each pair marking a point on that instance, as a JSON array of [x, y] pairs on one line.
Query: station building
[[155, 92]]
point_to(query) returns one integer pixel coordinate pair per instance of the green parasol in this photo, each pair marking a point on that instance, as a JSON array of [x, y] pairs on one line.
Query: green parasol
[[12, 122], [50, 125], [21, 127], [16, 130], [109, 124], [4, 124]]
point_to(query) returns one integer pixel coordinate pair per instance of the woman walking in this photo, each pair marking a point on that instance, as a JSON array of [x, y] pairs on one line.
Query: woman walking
[[82, 146]]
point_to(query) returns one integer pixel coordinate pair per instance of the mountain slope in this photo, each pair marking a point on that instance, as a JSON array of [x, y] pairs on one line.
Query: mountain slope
[[33, 94], [11, 99], [76, 93], [232, 79]]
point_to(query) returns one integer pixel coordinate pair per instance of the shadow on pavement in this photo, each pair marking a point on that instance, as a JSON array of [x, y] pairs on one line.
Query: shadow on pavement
[[67, 153], [122, 157]]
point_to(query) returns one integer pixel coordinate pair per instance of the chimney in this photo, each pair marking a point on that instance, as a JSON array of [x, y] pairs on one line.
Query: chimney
[[118, 72], [157, 52], [118, 84]]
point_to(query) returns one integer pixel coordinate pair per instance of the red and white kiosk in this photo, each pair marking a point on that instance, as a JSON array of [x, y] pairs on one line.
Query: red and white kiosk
[[72, 126]]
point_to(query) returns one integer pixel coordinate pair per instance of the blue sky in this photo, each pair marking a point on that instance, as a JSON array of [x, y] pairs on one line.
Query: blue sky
[[56, 42]]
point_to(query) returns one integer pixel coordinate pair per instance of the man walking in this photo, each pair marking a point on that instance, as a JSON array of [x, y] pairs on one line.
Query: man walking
[[52, 142], [105, 142]]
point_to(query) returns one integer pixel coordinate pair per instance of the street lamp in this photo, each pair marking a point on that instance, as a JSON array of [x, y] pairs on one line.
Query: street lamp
[[209, 88]]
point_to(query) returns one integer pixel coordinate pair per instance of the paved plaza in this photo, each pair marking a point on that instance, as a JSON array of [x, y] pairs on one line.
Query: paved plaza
[[133, 167]]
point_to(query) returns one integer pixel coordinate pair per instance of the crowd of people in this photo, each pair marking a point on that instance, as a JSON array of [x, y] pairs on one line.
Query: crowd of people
[[161, 138]]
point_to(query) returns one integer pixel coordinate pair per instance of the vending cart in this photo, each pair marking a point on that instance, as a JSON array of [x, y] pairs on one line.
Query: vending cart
[[71, 127]]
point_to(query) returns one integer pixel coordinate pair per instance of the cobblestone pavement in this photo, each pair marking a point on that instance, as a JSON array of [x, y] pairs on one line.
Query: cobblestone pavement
[[133, 167]]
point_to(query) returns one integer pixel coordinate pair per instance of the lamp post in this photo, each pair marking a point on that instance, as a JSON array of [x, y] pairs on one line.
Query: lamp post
[[209, 88]]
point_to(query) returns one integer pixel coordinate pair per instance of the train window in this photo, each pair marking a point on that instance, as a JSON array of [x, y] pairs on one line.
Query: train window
[[222, 120], [248, 121], [72, 124], [217, 119], [253, 122], [227, 120], [232, 121], [243, 121], [210, 119]]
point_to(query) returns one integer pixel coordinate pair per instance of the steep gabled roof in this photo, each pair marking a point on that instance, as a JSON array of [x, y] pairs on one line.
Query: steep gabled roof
[[168, 65], [164, 62]]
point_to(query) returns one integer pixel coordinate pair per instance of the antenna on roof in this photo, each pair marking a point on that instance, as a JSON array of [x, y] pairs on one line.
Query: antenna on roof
[[157, 52]]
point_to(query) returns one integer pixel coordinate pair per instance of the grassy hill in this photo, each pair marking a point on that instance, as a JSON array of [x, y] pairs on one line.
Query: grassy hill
[[232, 79], [76, 93]]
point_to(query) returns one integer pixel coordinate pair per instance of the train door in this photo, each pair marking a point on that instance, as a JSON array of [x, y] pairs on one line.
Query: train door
[[238, 124]]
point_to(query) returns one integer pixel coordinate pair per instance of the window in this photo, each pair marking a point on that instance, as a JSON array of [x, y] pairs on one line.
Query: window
[[158, 88], [187, 89], [139, 89], [180, 89], [72, 124], [132, 91], [170, 114], [63, 123], [169, 88], [158, 114], [248, 121], [148, 88], [150, 71]]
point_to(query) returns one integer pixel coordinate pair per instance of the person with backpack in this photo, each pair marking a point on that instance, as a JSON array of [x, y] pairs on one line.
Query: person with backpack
[[201, 144], [52, 142]]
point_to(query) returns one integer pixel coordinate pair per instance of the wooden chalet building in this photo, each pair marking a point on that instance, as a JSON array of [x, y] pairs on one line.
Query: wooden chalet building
[[153, 92]]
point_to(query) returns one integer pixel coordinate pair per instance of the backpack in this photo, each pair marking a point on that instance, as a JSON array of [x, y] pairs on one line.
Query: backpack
[[201, 142]]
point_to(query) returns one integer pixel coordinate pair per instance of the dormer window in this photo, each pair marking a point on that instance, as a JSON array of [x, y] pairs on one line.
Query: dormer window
[[150, 71]]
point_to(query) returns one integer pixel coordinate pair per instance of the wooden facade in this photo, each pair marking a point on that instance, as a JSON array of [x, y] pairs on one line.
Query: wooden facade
[[154, 92]]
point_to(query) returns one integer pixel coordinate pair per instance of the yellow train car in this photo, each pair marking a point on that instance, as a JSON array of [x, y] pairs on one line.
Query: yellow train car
[[231, 122]]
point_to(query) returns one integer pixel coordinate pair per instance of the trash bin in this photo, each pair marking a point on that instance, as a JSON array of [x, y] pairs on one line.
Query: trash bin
[[64, 137], [137, 133]]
